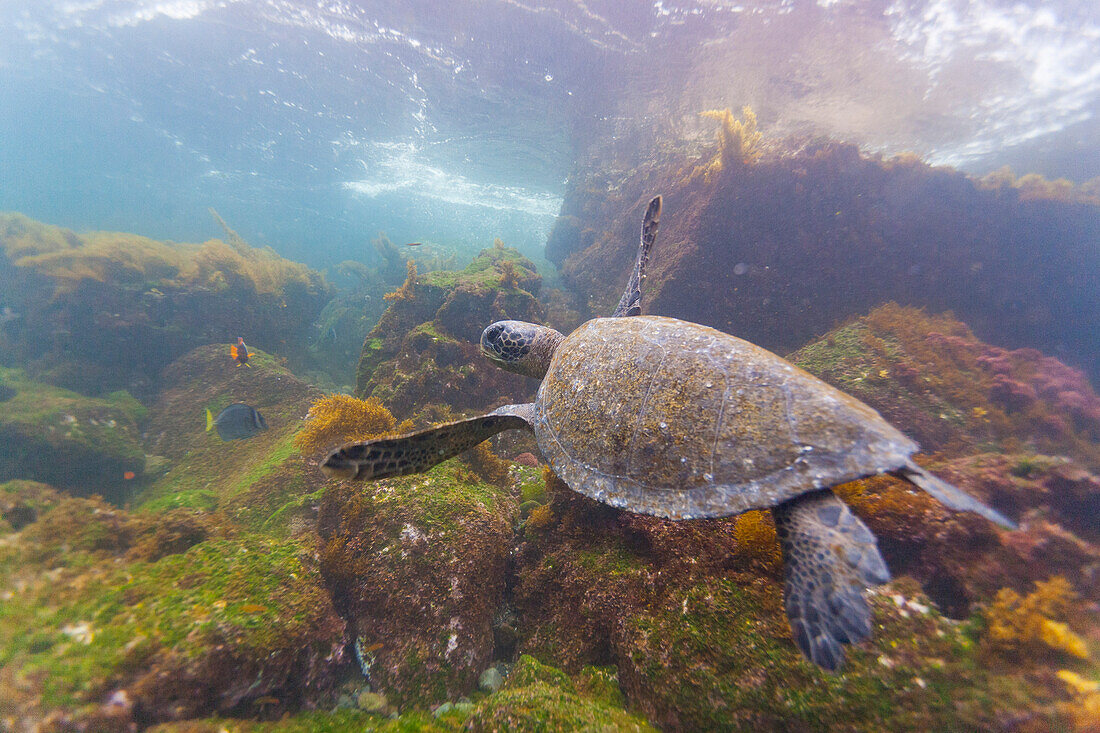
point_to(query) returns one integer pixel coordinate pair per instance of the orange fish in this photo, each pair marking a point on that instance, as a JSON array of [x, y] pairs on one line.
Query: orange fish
[[413, 244], [252, 608], [128, 475], [239, 353]]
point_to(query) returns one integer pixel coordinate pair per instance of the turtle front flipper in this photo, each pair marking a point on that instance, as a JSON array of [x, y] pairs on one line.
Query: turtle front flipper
[[829, 557], [631, 302], [419, 451]]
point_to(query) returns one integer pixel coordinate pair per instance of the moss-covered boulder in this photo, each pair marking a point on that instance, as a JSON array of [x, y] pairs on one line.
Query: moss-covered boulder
[[934, 379], [249, 481], [537, 697], [101, 311], [83, 444], [425, 350], [417, 565], [109, 616]]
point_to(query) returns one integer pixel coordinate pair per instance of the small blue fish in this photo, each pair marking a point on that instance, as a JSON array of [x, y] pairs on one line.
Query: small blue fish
[[236, 422]]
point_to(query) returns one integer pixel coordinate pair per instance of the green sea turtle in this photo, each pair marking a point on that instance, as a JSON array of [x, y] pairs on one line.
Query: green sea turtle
[[678, 420]]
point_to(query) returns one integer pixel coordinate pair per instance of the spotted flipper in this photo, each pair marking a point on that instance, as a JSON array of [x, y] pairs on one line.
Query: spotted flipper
[[419, 451], [631, 302], [950, 496], [829, 557]]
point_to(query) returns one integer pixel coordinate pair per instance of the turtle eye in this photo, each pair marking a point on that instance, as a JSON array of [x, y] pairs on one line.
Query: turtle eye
[[490, 338]]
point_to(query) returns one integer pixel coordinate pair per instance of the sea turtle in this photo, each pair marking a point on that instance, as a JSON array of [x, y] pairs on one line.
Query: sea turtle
[[678, 420]]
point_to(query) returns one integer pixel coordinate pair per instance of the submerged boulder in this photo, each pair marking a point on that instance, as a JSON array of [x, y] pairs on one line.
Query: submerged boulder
[[425, 350], [101, 311], [418, 565], [112, 618], [84, 445]]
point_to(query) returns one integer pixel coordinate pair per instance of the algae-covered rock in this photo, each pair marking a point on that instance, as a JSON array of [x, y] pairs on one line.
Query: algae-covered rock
[[102, 311], [540, 698], [248, 480], [535, 697], [101, 606], [418, 567], [425, 347], [958, 558], [691, 614], [779, 249], [82, 444], [930, 376]]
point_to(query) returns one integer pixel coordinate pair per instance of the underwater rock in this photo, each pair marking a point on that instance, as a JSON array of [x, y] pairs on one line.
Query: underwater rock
[[425, 350], [490, 680], [958, 560], [930, 376], [769, 250], [103, 310], [22, 502], [108, 618], [263, 482], [539, 697], [418, 567], [692, 615], [84, 445]]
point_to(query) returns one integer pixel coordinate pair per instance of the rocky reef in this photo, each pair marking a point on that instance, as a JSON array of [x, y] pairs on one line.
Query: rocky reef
[[102, 311], [777, 241], [424, 349], [189, 584], [98, 438]]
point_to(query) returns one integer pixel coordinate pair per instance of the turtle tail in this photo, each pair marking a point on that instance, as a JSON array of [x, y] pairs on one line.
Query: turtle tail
[[829, 557], [415, 452]]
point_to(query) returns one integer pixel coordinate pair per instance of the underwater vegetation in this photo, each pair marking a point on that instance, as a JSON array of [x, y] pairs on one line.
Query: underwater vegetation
[[99, 437], [738, 141], [779, 249], [336, 419], [106, 310], [424, 348], [1029, 624]]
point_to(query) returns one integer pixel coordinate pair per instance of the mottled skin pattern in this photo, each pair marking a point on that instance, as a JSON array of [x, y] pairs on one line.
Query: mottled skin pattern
[[678, 420], [416, 452], [829, 556], [516, 347], [674, 419], [630, 304]]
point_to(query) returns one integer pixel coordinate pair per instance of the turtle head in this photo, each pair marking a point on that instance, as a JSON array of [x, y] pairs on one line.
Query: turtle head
[[523, 348]]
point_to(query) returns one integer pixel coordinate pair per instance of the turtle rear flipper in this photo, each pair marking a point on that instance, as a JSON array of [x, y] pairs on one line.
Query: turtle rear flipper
[[631, 302], [950, 496], [419, 451], [829, 557]]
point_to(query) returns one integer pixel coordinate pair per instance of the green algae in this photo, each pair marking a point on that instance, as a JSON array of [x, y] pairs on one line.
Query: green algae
[[536, 697], [337, 721], [250, 596], [67, 439], [716, 659]]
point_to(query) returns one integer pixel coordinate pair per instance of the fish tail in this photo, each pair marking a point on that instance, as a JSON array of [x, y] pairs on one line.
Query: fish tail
[[209, 420]]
